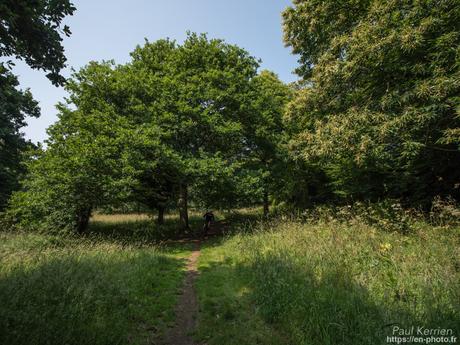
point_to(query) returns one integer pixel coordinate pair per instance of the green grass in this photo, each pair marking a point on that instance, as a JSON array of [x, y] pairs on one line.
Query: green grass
[[331, 283], [123, 228], [268, 283], [227, 315], [97, 289]]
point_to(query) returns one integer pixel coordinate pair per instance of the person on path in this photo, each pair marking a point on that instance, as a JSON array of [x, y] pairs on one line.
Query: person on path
[[208, 219]]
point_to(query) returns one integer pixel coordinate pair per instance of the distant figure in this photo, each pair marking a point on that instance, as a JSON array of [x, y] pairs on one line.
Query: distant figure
[[208, 219]]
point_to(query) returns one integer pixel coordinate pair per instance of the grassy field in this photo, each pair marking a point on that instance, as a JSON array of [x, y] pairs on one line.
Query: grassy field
[[330, 283], [143, 227], [273, 282], [104, 288]]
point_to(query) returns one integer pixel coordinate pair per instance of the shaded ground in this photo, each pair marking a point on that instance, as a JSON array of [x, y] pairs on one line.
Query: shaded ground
[[217, 229], [90, 290]]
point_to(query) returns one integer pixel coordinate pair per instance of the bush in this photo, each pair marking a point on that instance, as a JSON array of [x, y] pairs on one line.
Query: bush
[[387, 215]]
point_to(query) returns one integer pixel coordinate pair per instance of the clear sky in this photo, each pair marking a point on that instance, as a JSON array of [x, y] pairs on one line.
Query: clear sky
[[110, 29]]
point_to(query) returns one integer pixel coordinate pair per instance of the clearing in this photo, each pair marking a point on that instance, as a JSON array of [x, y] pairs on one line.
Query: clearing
[[270, 283]]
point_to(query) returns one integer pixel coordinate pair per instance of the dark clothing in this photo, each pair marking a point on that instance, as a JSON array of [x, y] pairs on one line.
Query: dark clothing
[[208, 217]]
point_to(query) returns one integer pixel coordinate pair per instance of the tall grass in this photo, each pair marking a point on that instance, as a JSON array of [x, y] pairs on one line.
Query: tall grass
[[226, 309], [90, 290], [339, 283]]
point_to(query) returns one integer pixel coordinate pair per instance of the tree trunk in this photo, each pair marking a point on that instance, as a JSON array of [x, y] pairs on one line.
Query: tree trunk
[[161, 215], [266, 206], [182, 203], [83, 220]]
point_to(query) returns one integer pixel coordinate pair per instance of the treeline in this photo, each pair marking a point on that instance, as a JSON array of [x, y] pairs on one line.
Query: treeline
[[177, 122], [375, 115], [378, 115]]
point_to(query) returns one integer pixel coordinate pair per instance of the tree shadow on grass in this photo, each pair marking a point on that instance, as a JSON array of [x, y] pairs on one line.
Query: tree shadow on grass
[[142, 231], [89, 299], [276, 301]]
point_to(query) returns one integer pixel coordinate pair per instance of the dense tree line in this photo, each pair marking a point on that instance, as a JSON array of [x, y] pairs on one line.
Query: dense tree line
[[374, 115]]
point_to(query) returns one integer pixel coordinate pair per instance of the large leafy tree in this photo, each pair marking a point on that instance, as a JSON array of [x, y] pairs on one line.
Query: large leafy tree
[[195, 93], [15, 105], [147, 131], [266, 152], [379, 110], [89, 158], [29, 31]]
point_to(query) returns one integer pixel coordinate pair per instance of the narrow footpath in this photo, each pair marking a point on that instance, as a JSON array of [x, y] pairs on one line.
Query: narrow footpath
[[186, 310]]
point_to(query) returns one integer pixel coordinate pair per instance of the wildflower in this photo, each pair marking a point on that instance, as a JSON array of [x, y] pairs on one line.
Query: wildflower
[[384, 247]]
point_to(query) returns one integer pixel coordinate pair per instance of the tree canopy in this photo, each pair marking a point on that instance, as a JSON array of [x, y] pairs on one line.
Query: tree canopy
[[31, 31], [379, 110], [177, 118], [15, 105]]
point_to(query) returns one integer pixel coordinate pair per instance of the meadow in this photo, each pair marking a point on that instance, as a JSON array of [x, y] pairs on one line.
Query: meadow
[[327, 282], [108, 287], [275, 282]]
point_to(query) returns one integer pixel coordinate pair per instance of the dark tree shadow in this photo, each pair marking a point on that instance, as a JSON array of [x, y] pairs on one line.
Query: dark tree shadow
[[143, 231], [299, 306], [92, 299]]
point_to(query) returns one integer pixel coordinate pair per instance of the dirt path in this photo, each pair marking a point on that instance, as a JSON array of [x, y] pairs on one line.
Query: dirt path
[[186, 310], [187, 306]]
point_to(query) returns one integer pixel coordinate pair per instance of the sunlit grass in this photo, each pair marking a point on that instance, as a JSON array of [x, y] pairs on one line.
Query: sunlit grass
[[227, 313], [330, 283], [146, 217], [144, 227], [121, 218]]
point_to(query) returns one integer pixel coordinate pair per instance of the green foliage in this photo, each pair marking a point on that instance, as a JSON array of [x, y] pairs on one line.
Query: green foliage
[[15, 105], [82, 168], [387, 215], [379, 110], [176, 116], [31, 31], [201, 89], [266, 152]]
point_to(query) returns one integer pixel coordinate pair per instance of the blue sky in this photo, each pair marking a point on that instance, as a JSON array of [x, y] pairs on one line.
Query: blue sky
[[110, 29]]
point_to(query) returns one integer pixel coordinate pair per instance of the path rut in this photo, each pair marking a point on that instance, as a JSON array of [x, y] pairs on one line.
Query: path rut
[[186, 310]]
